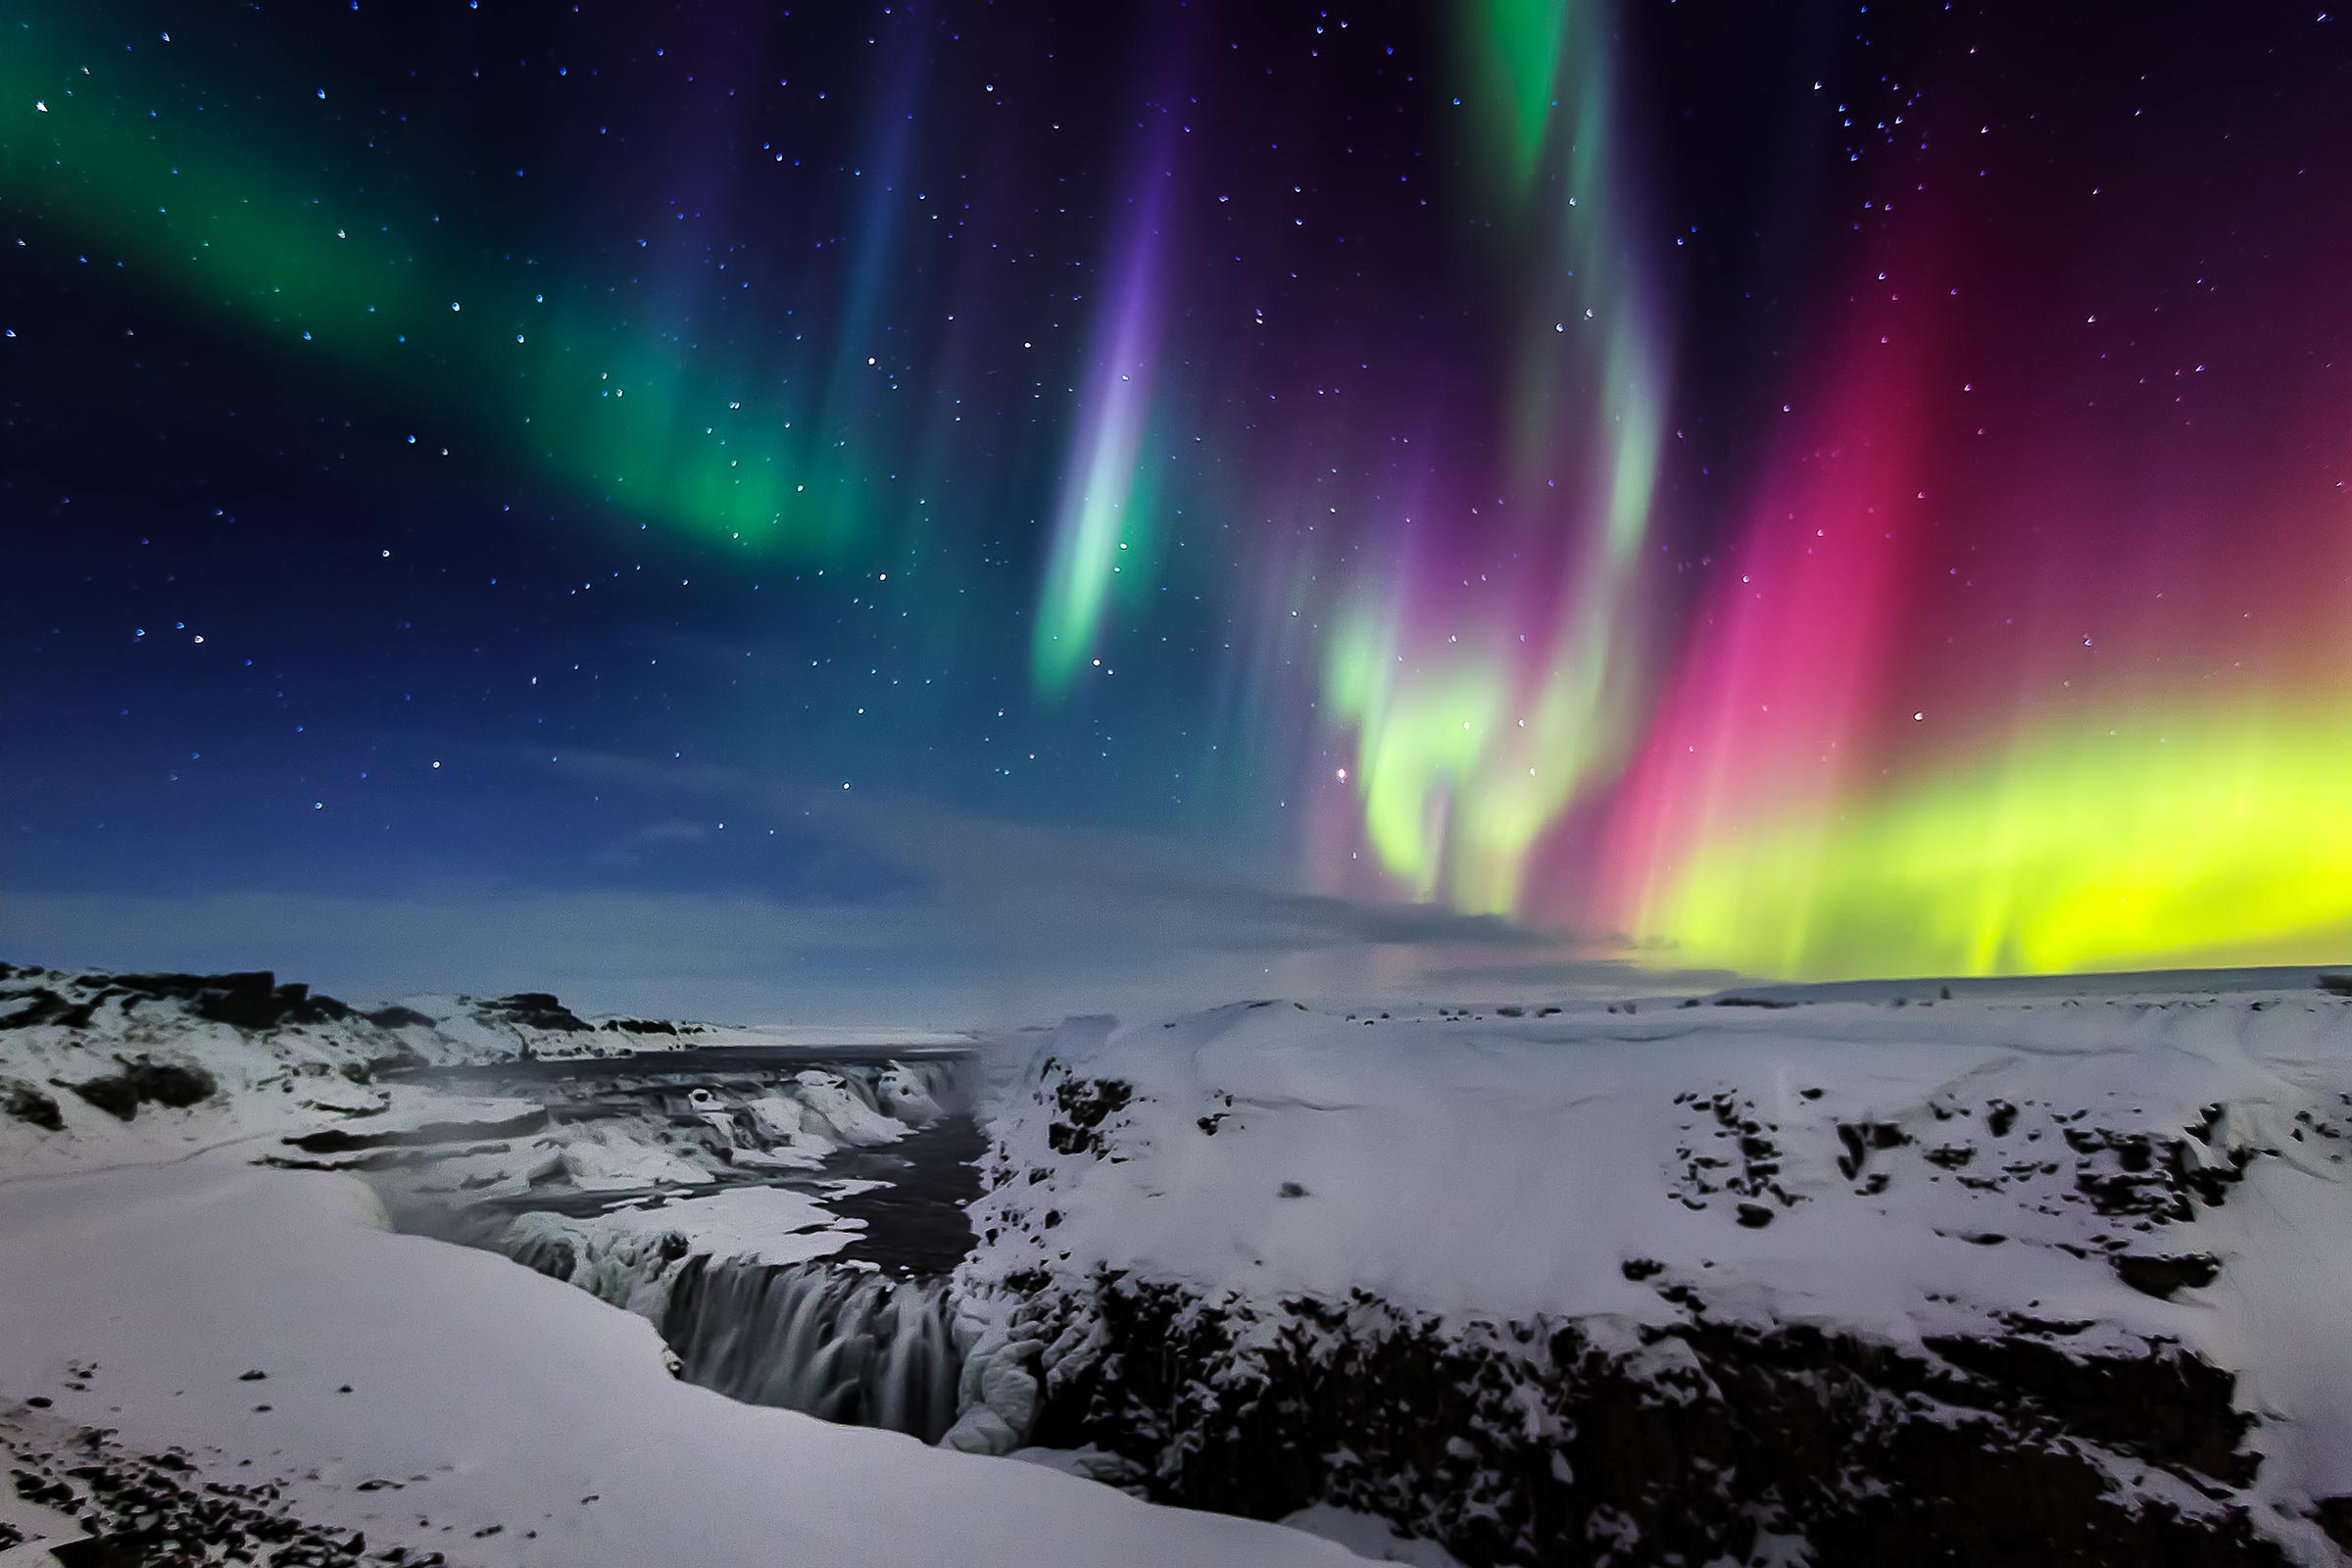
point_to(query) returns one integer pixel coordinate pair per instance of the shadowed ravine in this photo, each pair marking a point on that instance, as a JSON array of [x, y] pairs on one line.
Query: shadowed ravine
[[857, 1335]]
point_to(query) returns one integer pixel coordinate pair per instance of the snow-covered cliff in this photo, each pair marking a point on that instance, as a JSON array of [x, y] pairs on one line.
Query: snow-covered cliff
[[2022, 1276]]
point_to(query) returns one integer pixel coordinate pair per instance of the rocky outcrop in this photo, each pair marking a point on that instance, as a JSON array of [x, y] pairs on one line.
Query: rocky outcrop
[[26, 1103], [1558, 1441], [142, 1082], [1973, 1285], [251, 1000], [154, 1510], [97, 1066], [537, 1010]]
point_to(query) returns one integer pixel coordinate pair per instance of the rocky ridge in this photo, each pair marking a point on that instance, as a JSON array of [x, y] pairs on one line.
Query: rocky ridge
[[1974, 1310]]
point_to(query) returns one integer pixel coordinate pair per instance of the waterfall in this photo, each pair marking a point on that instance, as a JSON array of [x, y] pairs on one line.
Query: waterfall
[[845, 1345]]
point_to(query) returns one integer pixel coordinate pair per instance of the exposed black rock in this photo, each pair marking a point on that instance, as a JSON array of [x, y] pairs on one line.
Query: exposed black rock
[[44, 1005], [1085, 1103], [246, 1000], [146, 1082], [642, 1026], [337, 1141], [2160, 1277], [1860, 1139], [153, 1511], [1532, 1443], [24, 1103], [2335, 1516], [538, 1010]]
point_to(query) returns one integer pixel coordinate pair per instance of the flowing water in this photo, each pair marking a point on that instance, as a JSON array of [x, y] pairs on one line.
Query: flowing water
[[862, 1337], [846, 1344]]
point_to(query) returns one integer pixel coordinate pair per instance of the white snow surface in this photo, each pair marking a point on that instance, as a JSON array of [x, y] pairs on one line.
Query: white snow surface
[[272, 1082], [1896, 1172], [489, 1395], [296, 1077], [1370, 1537], [1482, 1167]]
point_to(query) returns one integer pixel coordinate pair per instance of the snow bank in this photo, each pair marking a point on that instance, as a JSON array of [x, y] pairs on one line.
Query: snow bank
[[442, 1399]]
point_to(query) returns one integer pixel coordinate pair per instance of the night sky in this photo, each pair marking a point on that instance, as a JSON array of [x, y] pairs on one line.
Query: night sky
[[901, 509]]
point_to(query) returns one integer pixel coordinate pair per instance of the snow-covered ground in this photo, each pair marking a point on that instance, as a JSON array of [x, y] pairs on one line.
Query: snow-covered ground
[[105, 1070], [197, 1348], [2109, 1176], [2051, 1272], [99, 1068], [442, 1399]]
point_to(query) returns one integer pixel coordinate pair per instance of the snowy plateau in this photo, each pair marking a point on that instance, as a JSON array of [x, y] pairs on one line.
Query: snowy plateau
[[1990, 1272]]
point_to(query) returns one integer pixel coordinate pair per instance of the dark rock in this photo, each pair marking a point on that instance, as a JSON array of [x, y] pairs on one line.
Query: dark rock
[[154, 1511], [338, 1141], [26, 1103], [538, 1010], [2335, 1516], [147, 1082], [112, 1094], [41, 1005], [1529, 1442], [2160, 1277], [642, 1026], [1860, 1140], [1085, 1103], [102, 1552]]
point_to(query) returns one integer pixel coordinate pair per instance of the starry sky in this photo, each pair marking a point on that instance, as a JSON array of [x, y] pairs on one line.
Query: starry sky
[[930, 509]]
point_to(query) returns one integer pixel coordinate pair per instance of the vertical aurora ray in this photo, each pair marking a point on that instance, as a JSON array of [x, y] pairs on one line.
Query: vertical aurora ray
[[1476, 733], [1103, 514], [1827, 759], [1928, 568], [1514, 47]]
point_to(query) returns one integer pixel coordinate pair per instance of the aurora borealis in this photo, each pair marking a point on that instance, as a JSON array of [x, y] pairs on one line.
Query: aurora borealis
[[1828, 493]]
